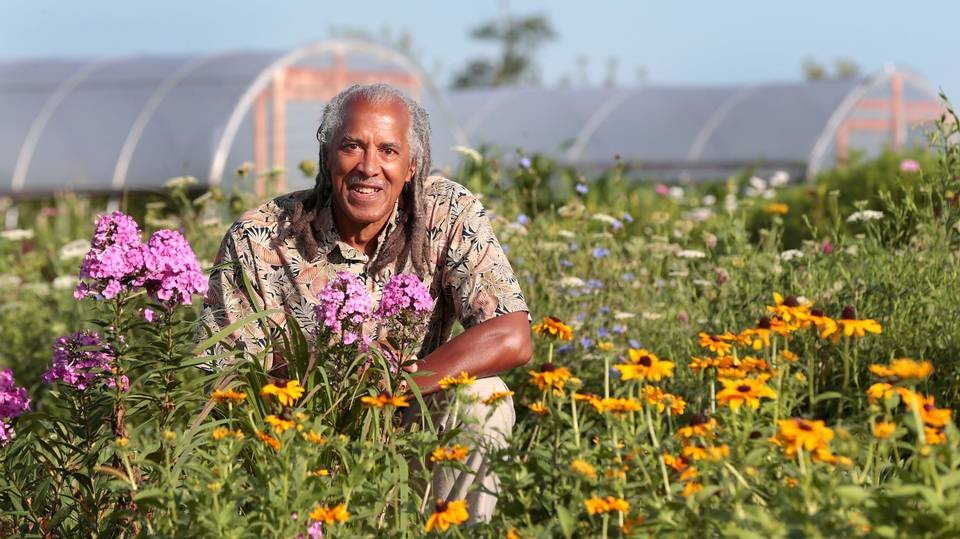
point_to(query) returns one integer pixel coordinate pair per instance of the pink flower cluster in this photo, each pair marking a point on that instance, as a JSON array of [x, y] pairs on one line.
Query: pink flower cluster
[[404, 293], [344, 306], [80, 360], [118, 261], [13, 402]]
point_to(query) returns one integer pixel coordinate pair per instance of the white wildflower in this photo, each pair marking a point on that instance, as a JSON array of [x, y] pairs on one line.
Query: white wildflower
[[676, 193], [604, 218], [651, 316], [691, 253], [566, 234], [791, 254], [709, 200], [180, 182], [780, 178], [469, 152], [698, 215], [702, 283], [730, 202], [623, 315], [75, 249], [65, 282], [758, 184], [9, 281], [865, 215], [16, 234], [572, 282]]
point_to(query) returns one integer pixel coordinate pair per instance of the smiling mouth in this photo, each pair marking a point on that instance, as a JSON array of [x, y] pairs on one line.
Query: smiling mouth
[[365, 190]]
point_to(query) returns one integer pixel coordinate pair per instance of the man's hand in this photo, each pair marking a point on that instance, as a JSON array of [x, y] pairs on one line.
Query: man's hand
[[410, 366]]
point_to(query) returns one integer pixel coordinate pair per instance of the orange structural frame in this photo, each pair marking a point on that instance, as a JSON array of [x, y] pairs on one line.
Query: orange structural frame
[[895, 114], [294, 83]]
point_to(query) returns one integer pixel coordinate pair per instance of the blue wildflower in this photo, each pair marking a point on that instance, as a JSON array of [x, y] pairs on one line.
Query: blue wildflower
[[628, 276], [581, 188], [627, 217], [602, 333], [594, 284], [522, 219], [586, 342], [525, 163], [600, 252], [566, 348], [619, 329], [616, 224], [634, 343], [604, 310], [566, 263]]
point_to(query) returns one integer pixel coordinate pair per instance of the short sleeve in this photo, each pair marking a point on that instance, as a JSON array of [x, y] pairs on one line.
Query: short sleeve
[[227, 299], [476, 272]]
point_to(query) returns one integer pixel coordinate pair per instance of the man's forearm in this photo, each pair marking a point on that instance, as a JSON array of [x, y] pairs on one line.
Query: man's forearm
[[492, 347]]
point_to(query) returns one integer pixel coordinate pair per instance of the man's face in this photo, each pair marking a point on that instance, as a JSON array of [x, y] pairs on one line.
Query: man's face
[[370, 162]]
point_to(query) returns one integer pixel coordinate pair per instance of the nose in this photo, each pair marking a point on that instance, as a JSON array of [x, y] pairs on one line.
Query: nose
[[370, 164]]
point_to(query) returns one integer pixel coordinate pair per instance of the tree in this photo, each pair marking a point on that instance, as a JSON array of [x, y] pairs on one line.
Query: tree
[[519, 38], [843, 69]]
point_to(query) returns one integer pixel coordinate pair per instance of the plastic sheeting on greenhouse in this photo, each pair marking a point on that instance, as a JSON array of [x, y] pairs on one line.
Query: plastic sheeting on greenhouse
[[133, 122]]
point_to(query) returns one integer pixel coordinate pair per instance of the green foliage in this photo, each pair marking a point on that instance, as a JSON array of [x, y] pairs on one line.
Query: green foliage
[[627, 267]]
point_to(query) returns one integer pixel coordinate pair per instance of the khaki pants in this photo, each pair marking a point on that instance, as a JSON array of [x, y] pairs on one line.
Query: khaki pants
[[486, 428]]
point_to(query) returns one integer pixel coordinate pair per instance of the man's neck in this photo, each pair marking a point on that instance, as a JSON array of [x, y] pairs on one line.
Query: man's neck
[[361, 237]]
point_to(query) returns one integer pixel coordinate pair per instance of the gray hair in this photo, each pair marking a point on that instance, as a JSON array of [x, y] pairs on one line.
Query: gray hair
[[418, 133], [408, 241]]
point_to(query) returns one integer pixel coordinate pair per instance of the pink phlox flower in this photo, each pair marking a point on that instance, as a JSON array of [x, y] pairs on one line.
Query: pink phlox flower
[[404, 292], [13, 402], [80, 360], [344, 306], [172, 274]]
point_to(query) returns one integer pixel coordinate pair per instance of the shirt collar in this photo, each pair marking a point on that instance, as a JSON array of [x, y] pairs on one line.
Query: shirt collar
[[328, 239]]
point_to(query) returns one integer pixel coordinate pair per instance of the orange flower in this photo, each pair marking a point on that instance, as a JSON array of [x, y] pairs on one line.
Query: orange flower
[[677, 463], [701, 426], [903, 369], [454, 453], [279, 425], [447, 514], [330, 515], [496, 397], [596, 505], [718, 344], [788, 309], [385, 399], [690, 489], [934, 436], [747, 391], [462, 379], [224, 395], [776, 208], [883, 429], [551, 377], [644, 366], [849, 326], [618, 406], [701, 364], [795, 434], [582, 467], [269, 440], [539, 409], [878, 391], [286, 393], [553, 327]]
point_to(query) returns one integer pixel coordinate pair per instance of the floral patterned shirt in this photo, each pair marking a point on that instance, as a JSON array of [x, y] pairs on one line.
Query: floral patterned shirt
[[472, 280]]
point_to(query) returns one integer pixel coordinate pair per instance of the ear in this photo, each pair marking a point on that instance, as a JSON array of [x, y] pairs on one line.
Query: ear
[[411, 170]]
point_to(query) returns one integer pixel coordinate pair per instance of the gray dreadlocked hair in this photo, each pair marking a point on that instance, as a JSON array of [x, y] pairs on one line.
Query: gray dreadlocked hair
[[408, 240]]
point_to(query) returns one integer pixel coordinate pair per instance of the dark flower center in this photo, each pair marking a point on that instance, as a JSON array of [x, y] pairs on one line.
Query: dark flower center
[[743, 388], [763, 323], [698, 419], [803, 425], [554, 319], [929, 407], [714, 338], [645, 361], [754, 434], [791, 301], [548, 367], [281, 383], [849, 313], [441, 506], [818, 312]]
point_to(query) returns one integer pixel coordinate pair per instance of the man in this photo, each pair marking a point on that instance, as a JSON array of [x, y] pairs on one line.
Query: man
[[376, 212]]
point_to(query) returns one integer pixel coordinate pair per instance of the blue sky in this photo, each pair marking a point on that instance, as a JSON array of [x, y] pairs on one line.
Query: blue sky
[[678, 42]]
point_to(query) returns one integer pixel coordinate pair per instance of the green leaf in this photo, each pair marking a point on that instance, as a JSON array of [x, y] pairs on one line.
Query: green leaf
[[567, 521], [220, 335], [827, 395], [852, 494]]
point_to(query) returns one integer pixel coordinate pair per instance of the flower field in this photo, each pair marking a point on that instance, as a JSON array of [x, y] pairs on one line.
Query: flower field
[[696, 372]]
